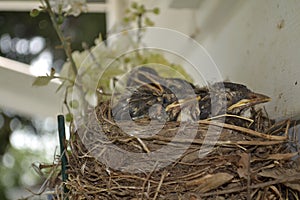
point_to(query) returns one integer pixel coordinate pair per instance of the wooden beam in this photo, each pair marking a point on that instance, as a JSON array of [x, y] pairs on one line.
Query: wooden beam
[[29, 5], [18, 94]]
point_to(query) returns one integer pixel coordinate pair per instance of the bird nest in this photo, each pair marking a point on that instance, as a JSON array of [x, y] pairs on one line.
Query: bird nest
[[244, 163]]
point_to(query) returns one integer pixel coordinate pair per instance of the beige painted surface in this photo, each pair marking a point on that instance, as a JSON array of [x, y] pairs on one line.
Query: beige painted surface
[[257, 43], [252, 42]]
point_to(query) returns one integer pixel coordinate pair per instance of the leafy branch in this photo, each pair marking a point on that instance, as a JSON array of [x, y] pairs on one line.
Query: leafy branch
[[137, 13], [66, 44], [57, 19]]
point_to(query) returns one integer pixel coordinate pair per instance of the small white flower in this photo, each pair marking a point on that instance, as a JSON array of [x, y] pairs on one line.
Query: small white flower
[[69, 7]]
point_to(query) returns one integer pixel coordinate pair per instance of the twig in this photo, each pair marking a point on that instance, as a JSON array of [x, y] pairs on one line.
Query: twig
[[275, 127], [66, 44], [244, 130], [66, 99], [234, 116], [147, 179], [67, 48], [249, 177], [143, 144], [164, 174], [260, 185], [139, 31], [286, 133], [220, 143]]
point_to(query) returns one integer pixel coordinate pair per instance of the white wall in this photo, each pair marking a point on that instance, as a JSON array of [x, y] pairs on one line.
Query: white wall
[[259, 45], [252, 42]]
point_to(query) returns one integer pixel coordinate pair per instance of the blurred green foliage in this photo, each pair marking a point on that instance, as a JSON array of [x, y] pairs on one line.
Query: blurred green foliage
[[16, 171], [15, 168], [20, 25]]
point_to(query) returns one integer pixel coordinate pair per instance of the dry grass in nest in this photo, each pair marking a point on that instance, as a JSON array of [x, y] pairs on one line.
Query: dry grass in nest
[[244, 163]]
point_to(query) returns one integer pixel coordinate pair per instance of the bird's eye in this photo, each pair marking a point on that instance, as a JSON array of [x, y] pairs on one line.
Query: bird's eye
[[228, 97]]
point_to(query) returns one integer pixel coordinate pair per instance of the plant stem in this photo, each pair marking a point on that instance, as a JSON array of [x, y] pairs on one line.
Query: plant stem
[[67, 48], [65, 43], [66, 79], [139, 31]]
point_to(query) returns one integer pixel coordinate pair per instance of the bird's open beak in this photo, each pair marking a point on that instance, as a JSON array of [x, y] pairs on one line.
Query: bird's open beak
[[251, 100]]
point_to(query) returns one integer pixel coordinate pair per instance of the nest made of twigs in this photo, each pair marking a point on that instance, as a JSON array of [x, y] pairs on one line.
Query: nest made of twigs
[[244, 163]]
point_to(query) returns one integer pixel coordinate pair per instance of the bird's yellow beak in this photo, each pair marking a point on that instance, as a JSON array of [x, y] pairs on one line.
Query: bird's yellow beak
[[251, 100]]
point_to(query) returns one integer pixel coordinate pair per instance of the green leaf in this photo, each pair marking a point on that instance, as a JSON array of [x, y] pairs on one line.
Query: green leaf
[[42, 80], [134, 5], [74, 104], [141, 9], [126, 19], [127, 11], [69, 117], [156, 11], [148, 22], [34, 13], [60, 19], [127, 60]]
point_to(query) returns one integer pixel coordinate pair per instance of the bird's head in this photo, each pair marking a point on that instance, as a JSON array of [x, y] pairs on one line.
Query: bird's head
[[239, 97]]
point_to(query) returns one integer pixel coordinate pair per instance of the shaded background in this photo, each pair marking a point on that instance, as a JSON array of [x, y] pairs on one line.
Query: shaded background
[[26, 39], [25, 140]]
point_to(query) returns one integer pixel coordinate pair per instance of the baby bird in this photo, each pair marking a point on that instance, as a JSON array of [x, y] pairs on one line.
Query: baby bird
[[174, 99]]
